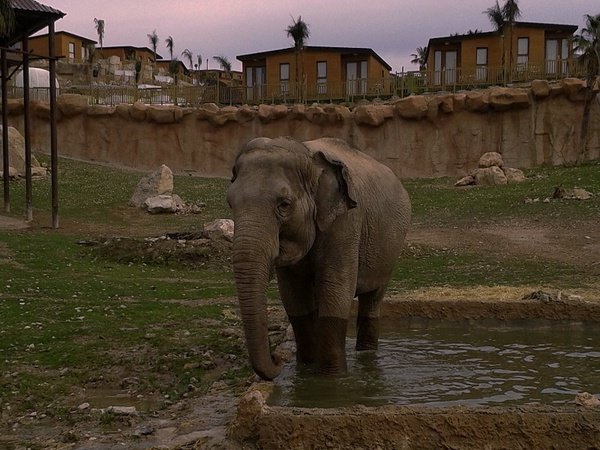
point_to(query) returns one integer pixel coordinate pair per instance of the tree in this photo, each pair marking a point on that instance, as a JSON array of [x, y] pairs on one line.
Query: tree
[[7, 18], [299, 32], [419, 57], [189, 57], [500, 17], [224, 63], [587, 45], [153, 38], [170, 45], [199, 59], [99, 24]]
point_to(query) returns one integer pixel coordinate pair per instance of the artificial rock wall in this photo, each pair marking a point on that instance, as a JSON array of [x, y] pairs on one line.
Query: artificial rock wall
[[418, 136]]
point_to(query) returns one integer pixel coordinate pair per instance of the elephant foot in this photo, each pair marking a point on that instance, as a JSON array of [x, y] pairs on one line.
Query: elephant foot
[[367, 334], [306, 337], [331, 341]]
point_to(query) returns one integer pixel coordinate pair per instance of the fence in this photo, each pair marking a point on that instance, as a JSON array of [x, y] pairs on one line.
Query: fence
[[399, 84]]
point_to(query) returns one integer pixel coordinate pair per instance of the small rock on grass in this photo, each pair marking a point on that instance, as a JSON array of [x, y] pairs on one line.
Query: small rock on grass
[[586, 399]]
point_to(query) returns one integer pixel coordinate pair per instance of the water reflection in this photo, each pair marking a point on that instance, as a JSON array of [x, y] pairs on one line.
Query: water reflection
[[442, 364]]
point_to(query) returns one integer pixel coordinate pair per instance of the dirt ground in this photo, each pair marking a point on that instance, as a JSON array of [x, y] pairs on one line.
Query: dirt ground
[[202, 422]]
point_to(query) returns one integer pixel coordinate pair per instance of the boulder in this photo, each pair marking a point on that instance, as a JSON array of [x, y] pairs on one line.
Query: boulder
[[540, 88], [513, 175], [72, 104], [587, 400], [220, 228], [224, 115], [412, 107], [156, 183], [574, 89], [163, 114], [164, 204], [372, 115], [469, 180], [490, 159], [138, 111], [12, 173], [502, 98], [477, 101], [16, 151], [490, 176]]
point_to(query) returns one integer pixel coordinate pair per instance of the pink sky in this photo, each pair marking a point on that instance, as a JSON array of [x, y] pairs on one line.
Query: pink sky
[[393, 28]]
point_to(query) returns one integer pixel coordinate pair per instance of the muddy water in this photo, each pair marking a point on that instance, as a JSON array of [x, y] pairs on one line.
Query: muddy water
[[434, 363]]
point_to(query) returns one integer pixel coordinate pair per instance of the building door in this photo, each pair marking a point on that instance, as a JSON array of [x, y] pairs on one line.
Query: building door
[[451, 60], [444, 67], [351, 78], [557, 56]]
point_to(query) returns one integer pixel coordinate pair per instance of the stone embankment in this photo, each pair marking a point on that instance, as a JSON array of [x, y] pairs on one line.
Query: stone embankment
[[431, 135]]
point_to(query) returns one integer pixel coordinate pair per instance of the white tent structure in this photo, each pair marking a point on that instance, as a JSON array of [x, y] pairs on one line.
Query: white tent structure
[[39, 82]]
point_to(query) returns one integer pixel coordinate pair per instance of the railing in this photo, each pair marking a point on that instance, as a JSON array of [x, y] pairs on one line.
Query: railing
[[400, 84]]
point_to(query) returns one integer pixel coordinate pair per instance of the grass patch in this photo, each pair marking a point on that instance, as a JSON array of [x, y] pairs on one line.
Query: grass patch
[[74, 319]]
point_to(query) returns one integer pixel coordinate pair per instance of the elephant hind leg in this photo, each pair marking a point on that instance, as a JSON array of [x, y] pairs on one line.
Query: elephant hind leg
[[367, 322]]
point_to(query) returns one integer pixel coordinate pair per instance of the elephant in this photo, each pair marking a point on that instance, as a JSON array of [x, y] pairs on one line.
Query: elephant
[[330, 222]]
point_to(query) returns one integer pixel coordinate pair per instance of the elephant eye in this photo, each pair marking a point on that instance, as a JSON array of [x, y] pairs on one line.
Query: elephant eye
[[284, 207]]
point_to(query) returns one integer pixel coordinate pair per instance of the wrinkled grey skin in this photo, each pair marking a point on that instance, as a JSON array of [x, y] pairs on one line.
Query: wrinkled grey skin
[[330, 221]]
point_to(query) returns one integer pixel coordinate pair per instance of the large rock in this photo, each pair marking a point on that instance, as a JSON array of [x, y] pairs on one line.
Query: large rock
[[490, 176], [373, 115], [164, 204], [412, 107], [490, 159], [502, 98], [513, 175], [16, 151], [156, 183], [540, 88], [220, 228], [72, 104], [574, 89]]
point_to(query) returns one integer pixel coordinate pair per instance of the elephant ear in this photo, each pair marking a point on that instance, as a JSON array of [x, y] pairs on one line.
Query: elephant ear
[[332, 197]]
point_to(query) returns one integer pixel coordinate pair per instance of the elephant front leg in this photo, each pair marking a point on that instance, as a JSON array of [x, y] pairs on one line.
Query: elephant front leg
[[331, 332], [298, 300], [367, 322]]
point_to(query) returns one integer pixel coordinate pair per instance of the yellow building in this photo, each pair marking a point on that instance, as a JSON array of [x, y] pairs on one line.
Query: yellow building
[[314, 73], [524, 51], [71, 47], [127, 53]]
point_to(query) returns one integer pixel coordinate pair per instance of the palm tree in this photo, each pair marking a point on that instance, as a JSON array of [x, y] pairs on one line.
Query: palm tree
[[153, 38], [170, 45], [188, 56], [224, 63], [7, 18], [587, 45], [199, 59], [299, 32], [99, 24], [419, 57], [500, 17]]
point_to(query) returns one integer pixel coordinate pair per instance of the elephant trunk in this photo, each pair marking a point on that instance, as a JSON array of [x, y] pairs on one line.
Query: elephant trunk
[[254, 251]]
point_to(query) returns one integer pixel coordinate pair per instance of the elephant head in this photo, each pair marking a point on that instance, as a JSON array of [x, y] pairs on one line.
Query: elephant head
[[281, 195]]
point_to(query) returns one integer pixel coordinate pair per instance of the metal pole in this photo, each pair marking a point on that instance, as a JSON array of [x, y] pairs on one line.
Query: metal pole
[[27, 129], [5, 162], [53, 139]]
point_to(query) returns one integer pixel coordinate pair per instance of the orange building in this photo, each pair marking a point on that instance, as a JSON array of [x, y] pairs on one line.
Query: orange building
[[313, 73], [128, 53], [71, 47], [521, 52]]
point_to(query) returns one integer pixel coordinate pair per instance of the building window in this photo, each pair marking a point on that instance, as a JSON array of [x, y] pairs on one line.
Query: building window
[[284, 78], [321, 77], [522, 53], [84, 53], [482, 62], [71, 51]]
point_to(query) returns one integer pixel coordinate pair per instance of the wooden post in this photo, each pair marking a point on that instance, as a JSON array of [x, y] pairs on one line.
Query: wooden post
[[53, 138], [27, 129], [5, 161]]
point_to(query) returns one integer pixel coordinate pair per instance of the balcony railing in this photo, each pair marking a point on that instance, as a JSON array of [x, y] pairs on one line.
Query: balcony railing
[[400, 84]]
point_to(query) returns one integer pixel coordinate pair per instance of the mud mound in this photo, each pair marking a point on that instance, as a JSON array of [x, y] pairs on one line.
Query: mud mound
[[172, 249]]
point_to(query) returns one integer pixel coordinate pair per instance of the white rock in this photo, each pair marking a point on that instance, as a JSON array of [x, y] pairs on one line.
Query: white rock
[[513, 175], [161, 204], [122, 410], [490, 176], [220, 228], [151, 185], [490, 159]]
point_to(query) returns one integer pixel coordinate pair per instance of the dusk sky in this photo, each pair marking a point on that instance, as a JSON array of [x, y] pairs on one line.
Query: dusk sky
[[392, 28]]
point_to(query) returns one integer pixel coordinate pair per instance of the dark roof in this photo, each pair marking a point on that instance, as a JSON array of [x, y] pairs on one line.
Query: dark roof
[[557, 27], [33, 6], [30, 17], [553, 27], [341, 50], [68, 33]]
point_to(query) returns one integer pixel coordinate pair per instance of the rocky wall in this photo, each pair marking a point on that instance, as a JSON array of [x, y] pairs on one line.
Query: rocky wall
[[418, 136]]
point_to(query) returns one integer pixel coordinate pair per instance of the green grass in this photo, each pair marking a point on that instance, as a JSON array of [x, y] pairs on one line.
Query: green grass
[[70, 316]]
